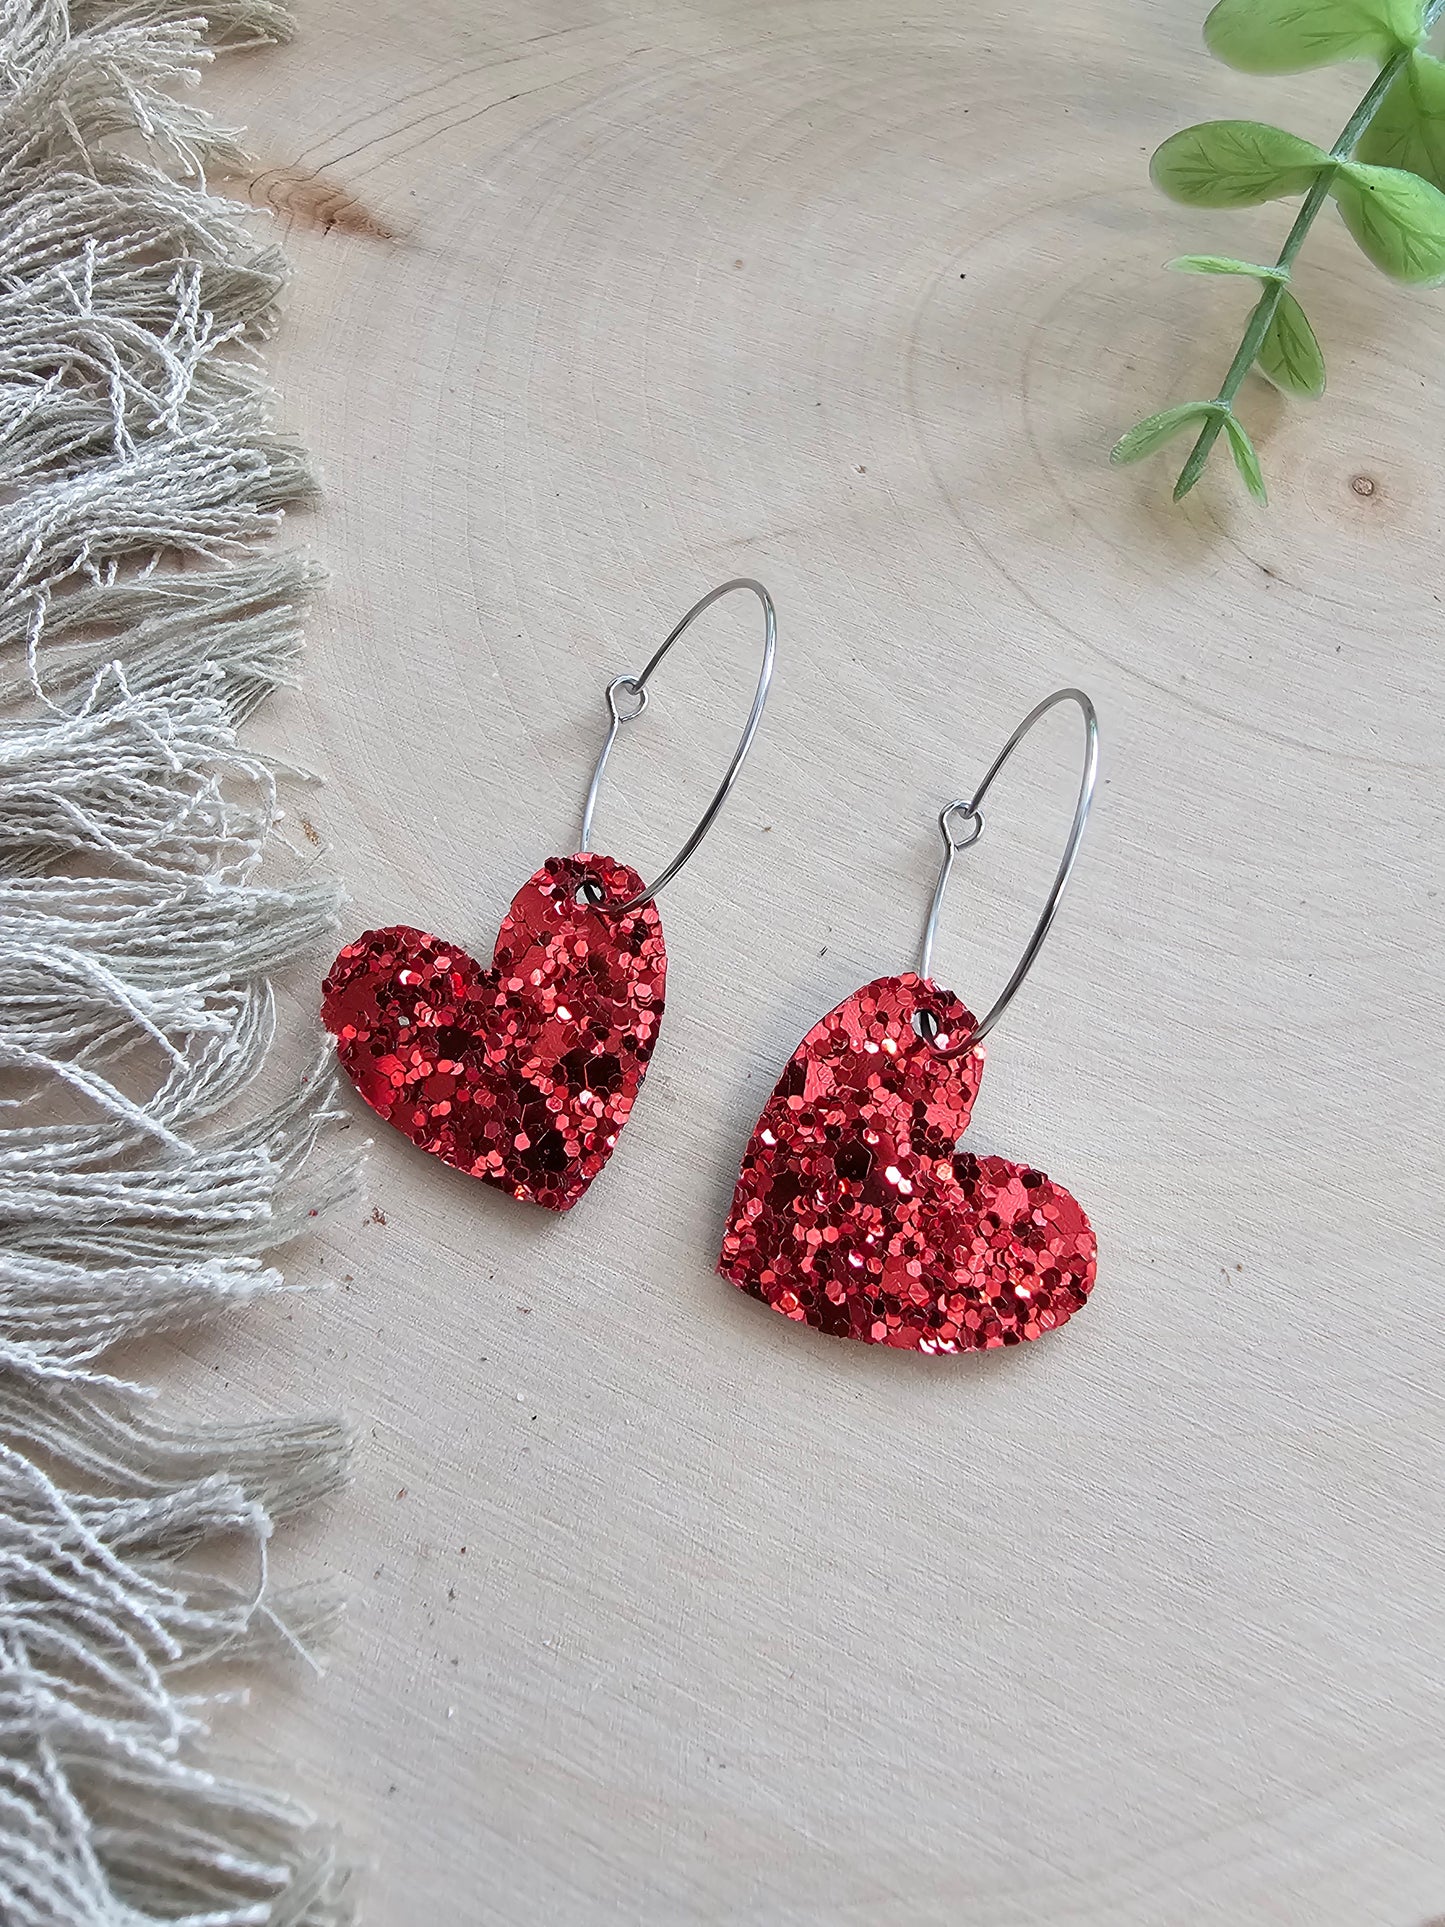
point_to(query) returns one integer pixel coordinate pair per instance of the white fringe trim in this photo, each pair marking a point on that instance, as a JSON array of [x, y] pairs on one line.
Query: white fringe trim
[[136, 954]]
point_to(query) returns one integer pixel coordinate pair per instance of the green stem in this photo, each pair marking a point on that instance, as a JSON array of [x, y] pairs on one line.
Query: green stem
[[1264, 311]]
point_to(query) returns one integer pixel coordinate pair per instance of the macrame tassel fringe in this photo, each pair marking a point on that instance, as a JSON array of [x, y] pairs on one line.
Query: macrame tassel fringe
[[139, 1190]]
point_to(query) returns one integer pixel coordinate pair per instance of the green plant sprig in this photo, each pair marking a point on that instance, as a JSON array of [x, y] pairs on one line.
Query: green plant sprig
[[1385, 174]]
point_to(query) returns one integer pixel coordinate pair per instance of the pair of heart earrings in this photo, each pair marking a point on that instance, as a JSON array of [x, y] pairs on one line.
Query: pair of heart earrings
[[858, 1209]]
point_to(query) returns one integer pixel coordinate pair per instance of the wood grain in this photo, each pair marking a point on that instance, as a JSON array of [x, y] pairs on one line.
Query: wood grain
[[664, 1612]]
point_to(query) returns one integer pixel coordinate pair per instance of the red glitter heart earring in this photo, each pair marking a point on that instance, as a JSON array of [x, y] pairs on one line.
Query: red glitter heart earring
[[858, 1210], [523, 1074]]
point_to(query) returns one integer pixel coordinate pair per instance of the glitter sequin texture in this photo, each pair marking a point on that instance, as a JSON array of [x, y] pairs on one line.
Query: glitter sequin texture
[[858, 1211], [523, 1074]]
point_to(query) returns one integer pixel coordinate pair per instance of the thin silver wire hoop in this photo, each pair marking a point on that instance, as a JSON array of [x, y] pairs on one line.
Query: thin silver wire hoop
[[635, 687], [970, 813]]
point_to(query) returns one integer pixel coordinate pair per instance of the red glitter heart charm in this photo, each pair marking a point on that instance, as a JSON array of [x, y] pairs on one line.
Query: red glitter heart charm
[[524, 1074], [857, 1211]]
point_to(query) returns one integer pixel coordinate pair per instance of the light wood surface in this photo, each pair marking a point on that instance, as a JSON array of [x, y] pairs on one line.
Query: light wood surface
[[665, 1612]]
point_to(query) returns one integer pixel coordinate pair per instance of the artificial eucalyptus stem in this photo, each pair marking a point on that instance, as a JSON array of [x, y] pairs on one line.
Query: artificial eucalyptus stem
[[1261, 316], [1263, 312], [1385, 175]]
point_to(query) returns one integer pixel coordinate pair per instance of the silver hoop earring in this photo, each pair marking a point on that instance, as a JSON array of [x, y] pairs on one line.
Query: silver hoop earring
[[858, 1209], [634, 688], [971, 814], [523, 1073]]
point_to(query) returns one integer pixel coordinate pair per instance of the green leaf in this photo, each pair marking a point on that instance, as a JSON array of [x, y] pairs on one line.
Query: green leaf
[[1409, 125], [1235, 163], [1289, 354], [1152, 433], [1224, 264], [1286, 36], [1245, 459], [1398, 219]]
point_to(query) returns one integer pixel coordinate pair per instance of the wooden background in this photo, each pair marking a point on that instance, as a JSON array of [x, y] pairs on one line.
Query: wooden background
[[665, 1612]]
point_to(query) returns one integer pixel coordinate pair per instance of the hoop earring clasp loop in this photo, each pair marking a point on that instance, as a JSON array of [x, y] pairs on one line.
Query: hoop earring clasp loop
[[631, 691], [961, 824]]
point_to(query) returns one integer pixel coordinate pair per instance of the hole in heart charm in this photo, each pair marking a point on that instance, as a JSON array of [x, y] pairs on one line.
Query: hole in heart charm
[[522, 1074], [857, 1212]]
